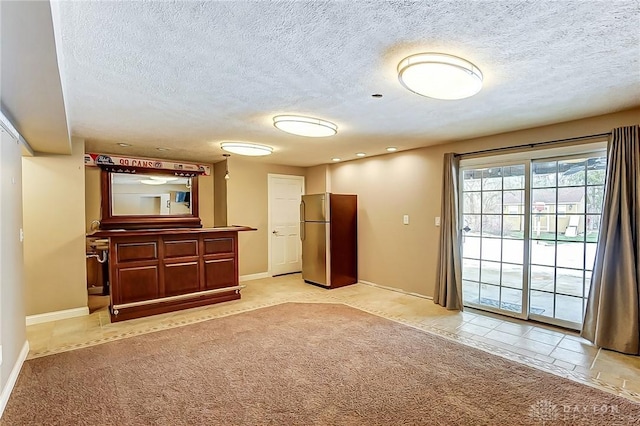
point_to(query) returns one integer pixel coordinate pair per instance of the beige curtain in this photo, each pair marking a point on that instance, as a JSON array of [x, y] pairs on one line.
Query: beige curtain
[[612, 318], [448, 291]]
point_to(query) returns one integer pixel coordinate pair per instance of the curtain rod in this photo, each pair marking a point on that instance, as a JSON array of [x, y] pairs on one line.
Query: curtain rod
[[535, 144]]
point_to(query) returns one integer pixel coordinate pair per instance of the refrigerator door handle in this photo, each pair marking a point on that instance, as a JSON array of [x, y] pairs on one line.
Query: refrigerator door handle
[[302, 219]]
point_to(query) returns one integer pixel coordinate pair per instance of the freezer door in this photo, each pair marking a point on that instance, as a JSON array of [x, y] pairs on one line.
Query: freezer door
[[315, 251], [315, 208]]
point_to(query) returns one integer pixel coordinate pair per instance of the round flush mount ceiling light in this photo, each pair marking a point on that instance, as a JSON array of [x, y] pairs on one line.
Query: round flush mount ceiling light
[[163, 179], [440, 76], [305, 126], [392, 149], [153, 181], [246, 148]]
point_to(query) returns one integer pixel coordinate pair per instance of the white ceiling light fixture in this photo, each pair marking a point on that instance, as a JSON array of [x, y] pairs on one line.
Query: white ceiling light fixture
[[336, 159], [440, 76], [305, 126], [361, 154], [163, 179], [392, 149], [246, 148], [153, 181], [124, 145]]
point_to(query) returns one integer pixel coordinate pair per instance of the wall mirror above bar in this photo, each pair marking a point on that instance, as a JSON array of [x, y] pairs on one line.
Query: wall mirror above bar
[[147, 198], [150, 194]]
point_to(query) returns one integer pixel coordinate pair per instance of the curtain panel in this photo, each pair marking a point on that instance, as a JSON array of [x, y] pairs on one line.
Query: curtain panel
[[612, 317], [448, 292]]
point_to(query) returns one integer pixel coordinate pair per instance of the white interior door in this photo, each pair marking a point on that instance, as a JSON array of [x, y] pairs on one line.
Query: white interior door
[[285, 247]]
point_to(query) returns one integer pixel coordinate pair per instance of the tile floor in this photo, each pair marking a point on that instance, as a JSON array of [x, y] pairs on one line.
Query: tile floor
[[551, 349]]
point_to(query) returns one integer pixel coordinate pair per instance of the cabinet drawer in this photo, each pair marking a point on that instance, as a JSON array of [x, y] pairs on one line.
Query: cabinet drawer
[[218, 245], [180, 248], [131, 252]]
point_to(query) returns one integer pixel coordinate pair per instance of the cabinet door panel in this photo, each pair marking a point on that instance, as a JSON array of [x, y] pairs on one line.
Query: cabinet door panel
[[220, 273], [181, 278], [136, 284]]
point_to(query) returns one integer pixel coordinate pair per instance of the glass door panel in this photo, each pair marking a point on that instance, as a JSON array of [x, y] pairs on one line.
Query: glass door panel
[[566, 203], [493, 216]]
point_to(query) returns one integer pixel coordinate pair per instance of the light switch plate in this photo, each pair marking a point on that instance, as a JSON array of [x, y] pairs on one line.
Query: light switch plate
[[437, 220], [405, 219]]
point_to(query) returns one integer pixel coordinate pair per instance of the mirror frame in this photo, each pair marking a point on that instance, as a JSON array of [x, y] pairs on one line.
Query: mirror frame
[[109, 221]]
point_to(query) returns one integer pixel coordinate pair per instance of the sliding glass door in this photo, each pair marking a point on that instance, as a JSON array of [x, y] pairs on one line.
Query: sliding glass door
[[530, 231], [493, 247]]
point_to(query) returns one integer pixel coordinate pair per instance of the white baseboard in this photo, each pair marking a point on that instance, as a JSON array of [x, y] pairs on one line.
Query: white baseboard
[[57, 315], [399, 290], [251, 277], [13, 377]]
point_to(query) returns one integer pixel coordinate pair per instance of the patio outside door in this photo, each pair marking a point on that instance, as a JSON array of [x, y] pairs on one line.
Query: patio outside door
[[494, 231], [530, 232]]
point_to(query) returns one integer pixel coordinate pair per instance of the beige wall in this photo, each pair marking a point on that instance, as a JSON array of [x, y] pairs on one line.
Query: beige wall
[[54, 244], [247, 204], [93, 199], [389, 186], [220, 194], [317, 179], [91, 195], [13, 333], [205, 199]]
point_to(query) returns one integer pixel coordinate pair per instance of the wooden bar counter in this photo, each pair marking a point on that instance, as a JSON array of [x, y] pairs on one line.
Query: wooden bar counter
[[153, 271]]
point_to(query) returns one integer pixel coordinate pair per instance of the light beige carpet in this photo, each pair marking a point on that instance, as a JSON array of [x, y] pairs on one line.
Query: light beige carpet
[[299, 364]]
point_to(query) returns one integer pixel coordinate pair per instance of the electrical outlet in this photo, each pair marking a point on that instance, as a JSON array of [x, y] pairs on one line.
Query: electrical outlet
[[21, 235], [437, 220], [405, 219]]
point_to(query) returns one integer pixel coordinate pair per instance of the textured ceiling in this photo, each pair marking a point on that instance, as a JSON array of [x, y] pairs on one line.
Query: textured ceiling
[[188, 75]]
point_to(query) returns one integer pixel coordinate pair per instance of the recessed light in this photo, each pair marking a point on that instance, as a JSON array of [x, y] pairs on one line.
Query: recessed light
[[305, 126], [361, 154], [162, 149], [124, 145], [336, 159], [440, 76], [392, 149], [246, 148]]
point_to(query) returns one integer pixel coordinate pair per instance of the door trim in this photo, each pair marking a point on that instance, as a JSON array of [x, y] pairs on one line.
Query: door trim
[[270, 176]]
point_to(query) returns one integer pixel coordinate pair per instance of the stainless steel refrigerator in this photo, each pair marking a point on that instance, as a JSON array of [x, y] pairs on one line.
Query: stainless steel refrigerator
[[329, 233]]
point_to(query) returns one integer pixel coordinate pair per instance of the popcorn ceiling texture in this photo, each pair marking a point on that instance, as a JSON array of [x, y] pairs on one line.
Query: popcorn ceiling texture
[[187, 75]]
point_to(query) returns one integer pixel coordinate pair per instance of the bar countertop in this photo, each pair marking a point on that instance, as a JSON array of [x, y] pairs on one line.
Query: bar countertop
[[173, 231]]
